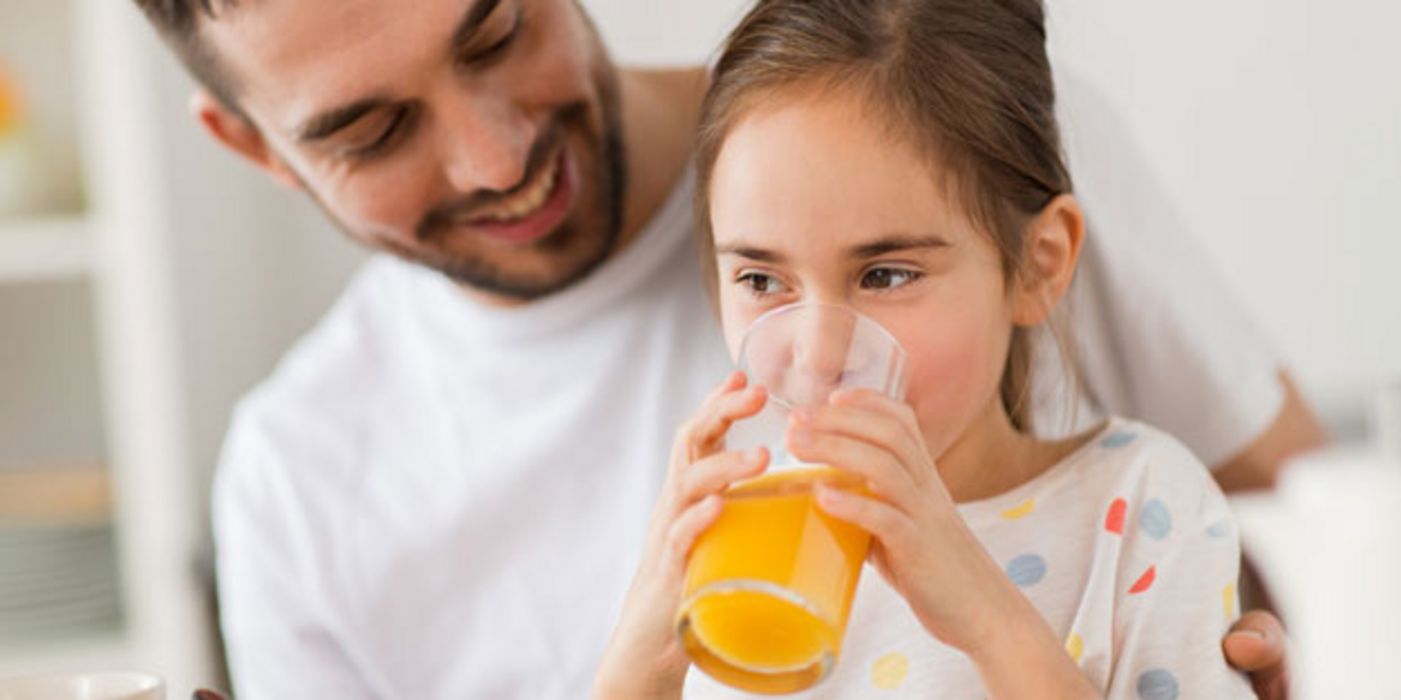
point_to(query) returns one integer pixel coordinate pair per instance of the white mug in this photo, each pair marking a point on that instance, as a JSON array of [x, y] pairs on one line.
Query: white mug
[[83, 686], [1326, 542]]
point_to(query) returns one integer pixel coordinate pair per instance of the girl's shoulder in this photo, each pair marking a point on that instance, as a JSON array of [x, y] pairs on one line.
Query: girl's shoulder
[[1136, 456], [1121, 459], [1145, 484]]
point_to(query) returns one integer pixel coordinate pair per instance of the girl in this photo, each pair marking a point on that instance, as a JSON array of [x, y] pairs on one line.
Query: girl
[[901, 157]]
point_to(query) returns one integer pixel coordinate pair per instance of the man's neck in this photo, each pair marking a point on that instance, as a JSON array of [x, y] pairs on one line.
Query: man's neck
[[660, 110]]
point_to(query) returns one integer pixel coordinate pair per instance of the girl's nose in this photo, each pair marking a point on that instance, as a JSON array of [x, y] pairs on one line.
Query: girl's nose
[[821, 343]]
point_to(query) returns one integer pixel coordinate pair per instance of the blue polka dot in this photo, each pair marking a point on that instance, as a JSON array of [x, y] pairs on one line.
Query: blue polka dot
[[1118, 440], [1157, 684], [1155, 520], [1220, 528], [1026, 570]]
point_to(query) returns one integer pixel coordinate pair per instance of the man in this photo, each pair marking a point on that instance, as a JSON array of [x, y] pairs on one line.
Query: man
[[442, 490]]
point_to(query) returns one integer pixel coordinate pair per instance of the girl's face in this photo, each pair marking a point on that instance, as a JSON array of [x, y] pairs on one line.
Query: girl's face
[[811, 200]]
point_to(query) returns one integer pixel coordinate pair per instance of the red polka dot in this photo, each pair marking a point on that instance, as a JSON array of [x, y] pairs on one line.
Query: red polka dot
[[1145, 581], [1114, 520]]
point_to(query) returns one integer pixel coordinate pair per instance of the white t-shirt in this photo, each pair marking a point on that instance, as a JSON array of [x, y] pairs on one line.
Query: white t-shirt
[[1127, 548], [433, 499]]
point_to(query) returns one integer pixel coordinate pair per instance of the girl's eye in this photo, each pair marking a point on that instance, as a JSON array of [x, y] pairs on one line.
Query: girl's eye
[[888, 278], [760, 284]]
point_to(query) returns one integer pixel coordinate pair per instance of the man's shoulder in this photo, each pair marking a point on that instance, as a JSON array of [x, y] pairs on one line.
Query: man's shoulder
[[318, 401]]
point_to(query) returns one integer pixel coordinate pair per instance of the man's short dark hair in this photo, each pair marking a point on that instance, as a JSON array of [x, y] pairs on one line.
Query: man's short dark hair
[[179, 23]]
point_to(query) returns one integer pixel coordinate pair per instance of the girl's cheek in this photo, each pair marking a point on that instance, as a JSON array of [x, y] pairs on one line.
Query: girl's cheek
[[952, 375]]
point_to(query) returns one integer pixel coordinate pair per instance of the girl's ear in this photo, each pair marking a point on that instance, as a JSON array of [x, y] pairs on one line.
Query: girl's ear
[[1052, 252]]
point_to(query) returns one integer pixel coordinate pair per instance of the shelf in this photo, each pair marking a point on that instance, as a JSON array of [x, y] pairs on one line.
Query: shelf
[[33, 250], [61, 494]]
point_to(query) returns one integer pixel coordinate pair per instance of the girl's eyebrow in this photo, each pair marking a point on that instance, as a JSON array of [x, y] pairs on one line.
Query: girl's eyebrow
[[744, 251], [896, 243], [880, 246]]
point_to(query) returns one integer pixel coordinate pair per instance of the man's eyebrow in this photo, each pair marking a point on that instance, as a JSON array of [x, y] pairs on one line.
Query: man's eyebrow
[[471, 22], [750, 252], [893, 244], [331, 121]]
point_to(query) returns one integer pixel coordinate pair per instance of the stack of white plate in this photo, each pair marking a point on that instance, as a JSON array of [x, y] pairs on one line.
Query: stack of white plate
[[57, 583]]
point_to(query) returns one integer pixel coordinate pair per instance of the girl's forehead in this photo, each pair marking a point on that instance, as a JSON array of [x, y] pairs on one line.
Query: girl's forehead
[[819, 172]]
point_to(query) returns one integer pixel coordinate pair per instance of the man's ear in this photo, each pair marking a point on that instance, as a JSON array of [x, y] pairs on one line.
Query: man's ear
[[1053, 245], [236, 133]]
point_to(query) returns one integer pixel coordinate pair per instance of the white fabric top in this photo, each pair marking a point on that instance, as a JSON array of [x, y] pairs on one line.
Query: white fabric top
[[434, 499], [1126, 547]]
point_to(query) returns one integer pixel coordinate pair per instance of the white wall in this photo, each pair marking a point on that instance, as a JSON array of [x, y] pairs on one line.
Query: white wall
[[1275, 124], [1277, 127], [671, 32]]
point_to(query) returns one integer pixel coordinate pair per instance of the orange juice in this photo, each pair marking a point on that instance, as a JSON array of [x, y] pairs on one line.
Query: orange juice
[[769, 585]]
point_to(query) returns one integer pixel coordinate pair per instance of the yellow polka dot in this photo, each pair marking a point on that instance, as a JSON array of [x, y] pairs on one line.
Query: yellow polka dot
[[1021, 510], [1228, 600], [889, 671], [1075, 646]]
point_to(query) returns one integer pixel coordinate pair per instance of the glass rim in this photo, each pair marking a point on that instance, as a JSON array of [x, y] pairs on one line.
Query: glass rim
[[899, 352]]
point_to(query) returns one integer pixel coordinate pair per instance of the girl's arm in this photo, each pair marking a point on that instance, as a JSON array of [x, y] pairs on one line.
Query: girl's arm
[[644, 660], [1022, 658], [923, 548], [969, 604]]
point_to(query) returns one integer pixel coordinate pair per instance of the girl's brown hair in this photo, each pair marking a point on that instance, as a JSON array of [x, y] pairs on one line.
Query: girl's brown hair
[[967, 82]]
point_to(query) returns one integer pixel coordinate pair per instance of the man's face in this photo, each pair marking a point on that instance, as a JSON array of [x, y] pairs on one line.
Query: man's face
[[477, 137]]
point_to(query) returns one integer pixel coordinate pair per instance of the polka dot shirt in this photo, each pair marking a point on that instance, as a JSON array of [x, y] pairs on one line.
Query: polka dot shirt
[[1126, 547]]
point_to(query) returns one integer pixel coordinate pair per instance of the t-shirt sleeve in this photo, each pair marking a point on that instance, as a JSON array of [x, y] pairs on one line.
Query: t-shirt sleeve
[[278, 621], [1158, 335], [1176, 594]]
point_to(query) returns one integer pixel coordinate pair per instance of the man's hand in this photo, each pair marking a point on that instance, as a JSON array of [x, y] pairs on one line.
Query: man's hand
[[1256, 645]]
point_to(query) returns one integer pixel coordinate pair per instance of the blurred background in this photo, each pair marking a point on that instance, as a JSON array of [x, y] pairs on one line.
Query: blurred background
[[147, 279]]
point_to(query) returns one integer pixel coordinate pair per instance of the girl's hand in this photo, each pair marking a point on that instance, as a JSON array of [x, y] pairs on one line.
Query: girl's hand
[[645, 658], [922, 547]]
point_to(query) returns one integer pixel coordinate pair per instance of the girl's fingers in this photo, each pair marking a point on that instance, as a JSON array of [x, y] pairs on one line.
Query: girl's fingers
[[687, 527], [894, 529], [680, 446], [874, 464], [870, 400], [715, 473], [705, 433], [876, 424], [715, 417]]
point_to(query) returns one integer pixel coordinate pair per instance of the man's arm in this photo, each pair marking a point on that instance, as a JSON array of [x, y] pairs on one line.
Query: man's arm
[[1295, 430], [278, 617]]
